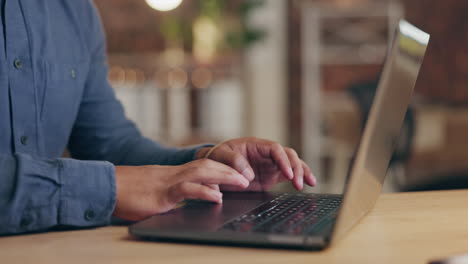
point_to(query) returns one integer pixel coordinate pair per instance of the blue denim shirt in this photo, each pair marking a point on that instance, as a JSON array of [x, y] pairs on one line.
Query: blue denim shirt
[[54, 94]]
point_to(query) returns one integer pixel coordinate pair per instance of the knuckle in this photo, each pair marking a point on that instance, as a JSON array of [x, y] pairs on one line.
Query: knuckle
[[174, 193], [291, 151], [292, 154], [238, 161], [277, 146], [182, 188], [175, 188], [300, 170]]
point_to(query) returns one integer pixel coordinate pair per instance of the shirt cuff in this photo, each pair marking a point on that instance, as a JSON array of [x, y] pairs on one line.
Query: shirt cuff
[[57, 192], [87, 194]]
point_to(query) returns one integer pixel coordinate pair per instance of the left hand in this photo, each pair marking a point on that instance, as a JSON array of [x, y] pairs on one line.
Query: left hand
[[264, 163]]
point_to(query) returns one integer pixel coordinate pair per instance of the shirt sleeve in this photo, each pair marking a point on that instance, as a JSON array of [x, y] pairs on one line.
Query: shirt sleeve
[[38, 194], [101, 130]]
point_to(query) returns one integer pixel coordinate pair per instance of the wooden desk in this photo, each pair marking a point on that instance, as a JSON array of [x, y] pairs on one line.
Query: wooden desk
[[403, 228]]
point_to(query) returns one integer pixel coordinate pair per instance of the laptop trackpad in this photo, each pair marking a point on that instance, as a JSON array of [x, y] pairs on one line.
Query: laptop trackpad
[[205, 216]]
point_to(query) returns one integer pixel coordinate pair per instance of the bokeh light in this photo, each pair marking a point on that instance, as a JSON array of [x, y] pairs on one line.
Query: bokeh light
[[202, 78], [164, 5]]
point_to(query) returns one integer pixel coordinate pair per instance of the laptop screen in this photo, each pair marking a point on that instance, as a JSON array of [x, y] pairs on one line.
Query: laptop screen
[[382, 129]]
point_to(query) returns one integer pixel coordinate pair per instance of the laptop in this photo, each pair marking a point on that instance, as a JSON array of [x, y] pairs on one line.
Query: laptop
[[306, 220]]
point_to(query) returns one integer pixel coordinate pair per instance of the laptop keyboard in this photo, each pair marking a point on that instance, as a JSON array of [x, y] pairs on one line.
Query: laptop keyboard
[[293, 214]]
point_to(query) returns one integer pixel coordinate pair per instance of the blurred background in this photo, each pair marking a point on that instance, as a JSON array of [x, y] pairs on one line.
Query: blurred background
[[300, 72]]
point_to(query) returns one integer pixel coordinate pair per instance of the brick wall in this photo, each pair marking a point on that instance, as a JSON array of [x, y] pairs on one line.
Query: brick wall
[[132, 26], [444, 77]]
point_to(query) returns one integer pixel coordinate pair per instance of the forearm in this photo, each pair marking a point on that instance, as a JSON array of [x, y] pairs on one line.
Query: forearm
[[144, 151], [127, 147]]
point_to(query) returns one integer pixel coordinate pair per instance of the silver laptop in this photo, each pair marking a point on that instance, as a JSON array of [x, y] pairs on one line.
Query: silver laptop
[[300, 220]]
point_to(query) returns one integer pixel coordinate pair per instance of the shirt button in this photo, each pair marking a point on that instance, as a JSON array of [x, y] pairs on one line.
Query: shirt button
[[25, 222], [73, 74], [24, 140], [18, 64], [89, 215]]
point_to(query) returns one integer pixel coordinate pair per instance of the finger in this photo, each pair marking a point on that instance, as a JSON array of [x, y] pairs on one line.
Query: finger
[[236, 161], [213, 186], [189, 190], [308, 176], [297, 167], [278, 154], [211, 172]]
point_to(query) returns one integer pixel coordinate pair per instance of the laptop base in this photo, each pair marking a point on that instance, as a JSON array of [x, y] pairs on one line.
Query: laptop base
[[203, 222]]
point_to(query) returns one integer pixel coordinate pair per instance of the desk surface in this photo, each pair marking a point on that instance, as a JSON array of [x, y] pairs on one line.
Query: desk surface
[[402, 228]]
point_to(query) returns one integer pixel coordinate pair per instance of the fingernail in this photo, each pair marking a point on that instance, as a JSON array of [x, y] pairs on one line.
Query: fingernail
[[314, 181], [290, 173], [245, 182], [219, 196]]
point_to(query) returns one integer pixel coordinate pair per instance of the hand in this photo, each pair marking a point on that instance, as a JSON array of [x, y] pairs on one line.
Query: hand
[[148, 190], [264, 163]]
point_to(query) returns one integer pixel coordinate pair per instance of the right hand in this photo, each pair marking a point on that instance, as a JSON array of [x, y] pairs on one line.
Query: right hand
[[143, 191]]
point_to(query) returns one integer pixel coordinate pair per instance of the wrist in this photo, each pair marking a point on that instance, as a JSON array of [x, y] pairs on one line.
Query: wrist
[[201, 153]]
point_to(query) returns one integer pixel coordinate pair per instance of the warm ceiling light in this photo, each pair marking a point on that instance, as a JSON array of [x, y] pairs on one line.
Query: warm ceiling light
[[164, 5]]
